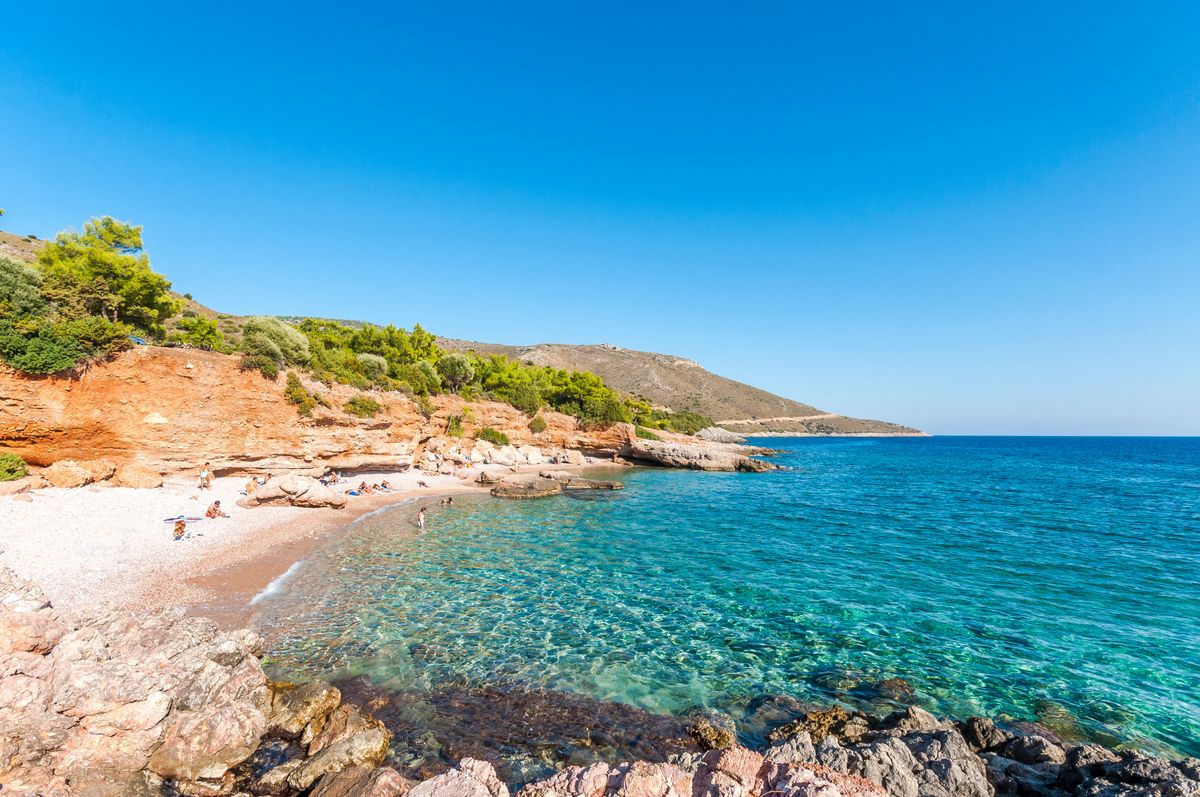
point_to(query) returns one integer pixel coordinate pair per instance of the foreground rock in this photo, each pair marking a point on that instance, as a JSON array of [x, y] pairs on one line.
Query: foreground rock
[[293, 490], [114, 703], [734, 772]]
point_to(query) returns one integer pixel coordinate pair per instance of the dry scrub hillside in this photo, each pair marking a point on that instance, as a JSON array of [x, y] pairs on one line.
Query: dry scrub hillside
[[683, 384]]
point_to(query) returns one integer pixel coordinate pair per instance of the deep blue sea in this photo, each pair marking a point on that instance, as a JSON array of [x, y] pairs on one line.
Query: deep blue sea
[[1039, 578]]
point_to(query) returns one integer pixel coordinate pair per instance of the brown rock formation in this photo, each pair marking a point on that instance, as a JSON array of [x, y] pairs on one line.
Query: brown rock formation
[[167, 410]]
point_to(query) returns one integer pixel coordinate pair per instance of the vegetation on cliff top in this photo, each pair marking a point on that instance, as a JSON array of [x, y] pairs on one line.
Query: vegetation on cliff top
[[91, 294]]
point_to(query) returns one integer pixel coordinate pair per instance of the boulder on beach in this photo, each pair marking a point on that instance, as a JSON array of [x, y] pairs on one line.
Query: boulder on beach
[[294, 490], [67, 473], [137, 476]]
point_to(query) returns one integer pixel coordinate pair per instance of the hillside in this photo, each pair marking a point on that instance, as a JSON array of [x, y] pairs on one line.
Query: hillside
[[664, 380], [683, 384]]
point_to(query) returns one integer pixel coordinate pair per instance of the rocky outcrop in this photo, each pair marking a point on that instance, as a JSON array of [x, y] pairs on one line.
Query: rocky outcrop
[[694, 456], [914, 754], [114, 701], [138, 476], [715, 434], [294, 490]]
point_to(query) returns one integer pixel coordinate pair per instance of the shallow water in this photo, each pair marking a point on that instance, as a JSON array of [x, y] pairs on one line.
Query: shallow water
[[1043, 578]]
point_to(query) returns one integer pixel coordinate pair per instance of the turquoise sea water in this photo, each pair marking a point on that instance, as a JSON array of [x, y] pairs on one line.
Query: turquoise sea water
[[1051, 578]]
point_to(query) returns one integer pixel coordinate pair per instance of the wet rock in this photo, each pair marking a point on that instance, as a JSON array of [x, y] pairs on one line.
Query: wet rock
[[533, 488], [895, 689], [820, 723], [527, 733], [982, 733], [349, 738], [713, 732], [1034, 750], [361, 781], [301, 709], [570, 481], [911, 719]]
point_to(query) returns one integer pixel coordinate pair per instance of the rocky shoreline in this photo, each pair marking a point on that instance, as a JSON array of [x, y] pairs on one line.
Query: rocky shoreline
[[109, 702]]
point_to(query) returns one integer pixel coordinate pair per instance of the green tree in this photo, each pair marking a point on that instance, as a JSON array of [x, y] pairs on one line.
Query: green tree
[[374, 367], [105, 271], [456, 369], [20, 290]]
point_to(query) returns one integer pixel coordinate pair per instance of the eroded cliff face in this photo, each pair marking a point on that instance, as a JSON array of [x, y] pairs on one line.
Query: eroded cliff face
[[173, 409]]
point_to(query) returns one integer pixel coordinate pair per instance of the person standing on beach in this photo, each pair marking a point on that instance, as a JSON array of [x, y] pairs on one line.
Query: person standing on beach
[[206, 477], [421, 518]]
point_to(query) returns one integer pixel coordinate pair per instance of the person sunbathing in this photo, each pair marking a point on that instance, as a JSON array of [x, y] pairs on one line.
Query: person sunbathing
[[385, 485], [251, 486], [180, 529], [363, 488], [215, 511]]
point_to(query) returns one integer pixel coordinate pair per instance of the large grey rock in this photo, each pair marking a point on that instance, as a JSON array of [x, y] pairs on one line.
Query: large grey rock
[[295, 490], [715, 434], [947, 766], [693, 456], [361, 781]]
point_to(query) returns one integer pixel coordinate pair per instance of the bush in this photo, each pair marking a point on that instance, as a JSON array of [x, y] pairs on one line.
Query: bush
[[537, 425], [646, 434], [296, 394], [373, 366], [270, 337], [363, 406], [43, 352], [12, 468], [604, 411], [492, 436], [200, 332], [96, 335], [20, 290], [425, 406], [454, 426], [264, 365]]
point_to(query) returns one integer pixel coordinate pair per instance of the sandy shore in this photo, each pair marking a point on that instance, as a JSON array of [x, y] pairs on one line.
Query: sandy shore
[[110, 545]]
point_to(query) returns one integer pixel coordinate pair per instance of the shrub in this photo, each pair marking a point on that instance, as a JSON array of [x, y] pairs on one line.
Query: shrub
[[363, 406], [537, 425], [296, 394], [425, 406], [646, 434], [258, 362], [273, 338], [96, 335], [492, 436], [43, 352], [12, 468], [373, 366], [454, 426], [20, 290], [200, 332]]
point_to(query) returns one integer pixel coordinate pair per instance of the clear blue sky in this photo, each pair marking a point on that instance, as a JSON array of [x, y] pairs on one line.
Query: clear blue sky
[[969, 217]]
